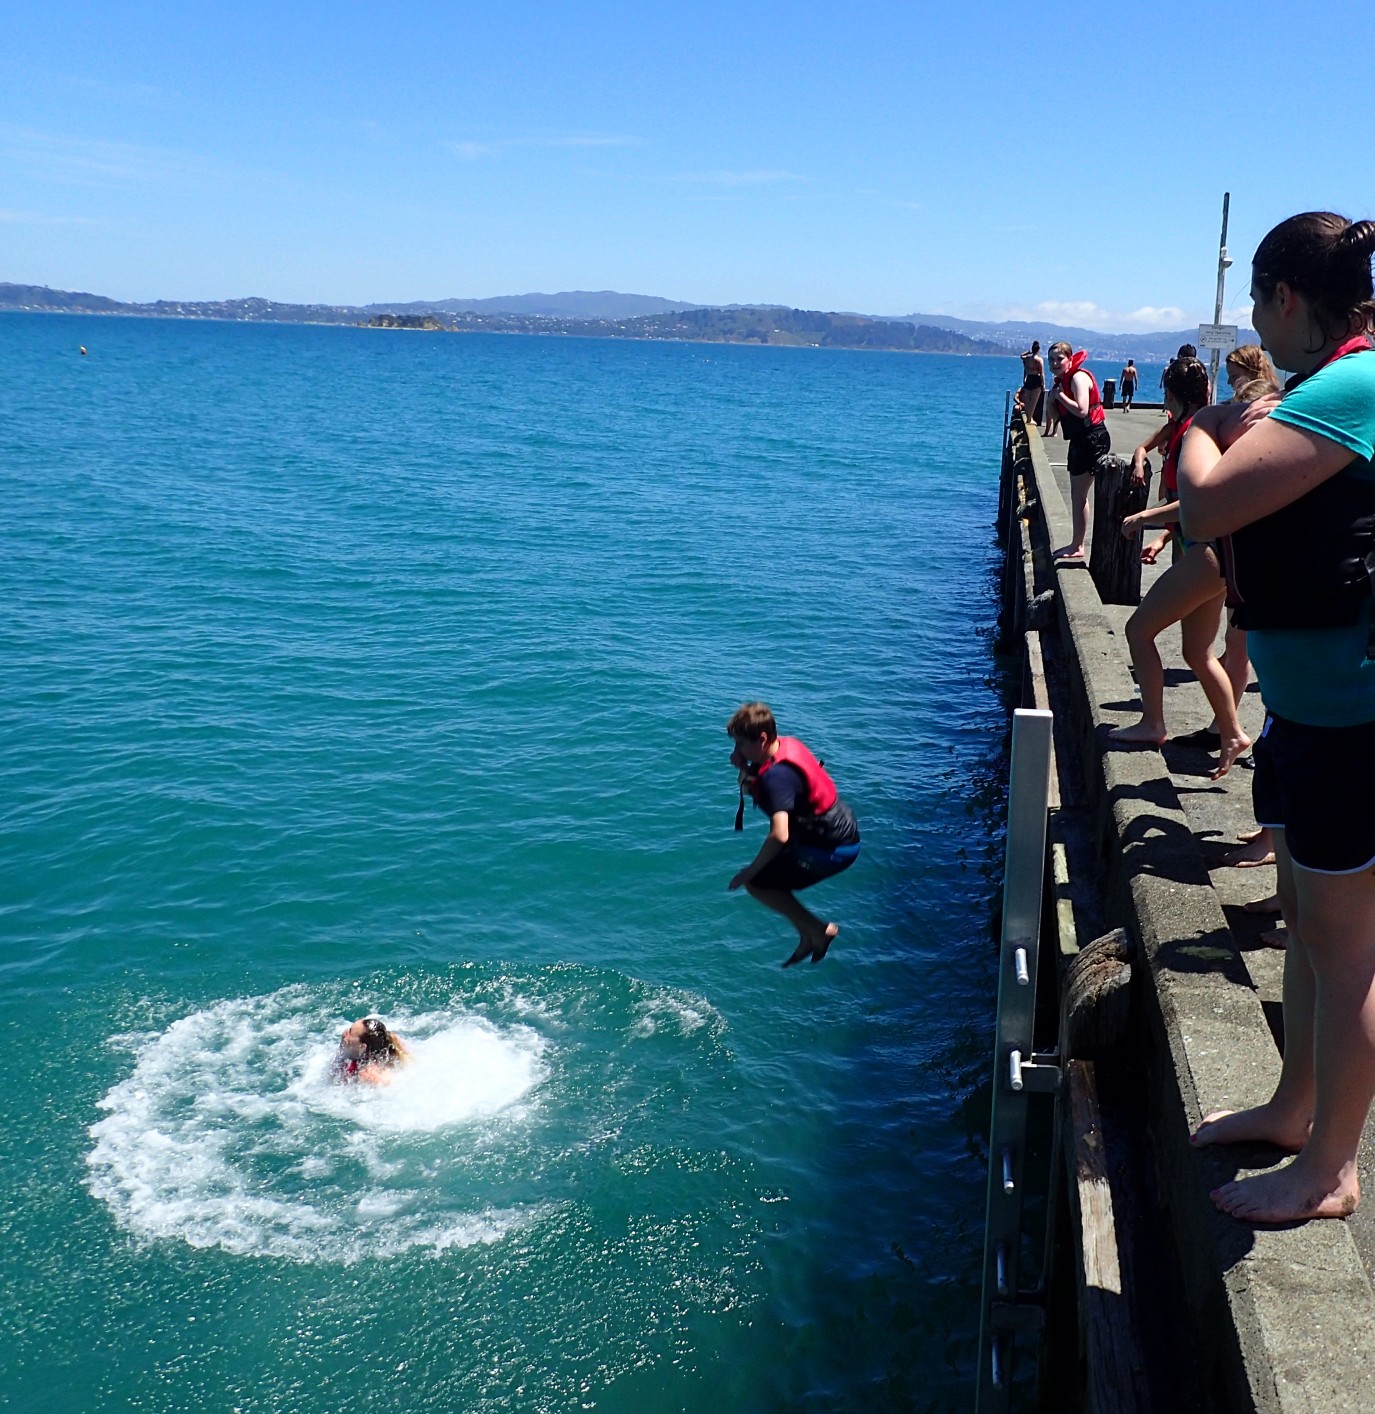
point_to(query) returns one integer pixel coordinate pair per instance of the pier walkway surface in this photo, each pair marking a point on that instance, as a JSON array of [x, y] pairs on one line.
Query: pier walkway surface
[[1296, 1303]]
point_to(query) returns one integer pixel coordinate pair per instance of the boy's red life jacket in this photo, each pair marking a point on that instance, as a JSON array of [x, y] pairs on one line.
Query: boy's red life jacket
[[821, 790]]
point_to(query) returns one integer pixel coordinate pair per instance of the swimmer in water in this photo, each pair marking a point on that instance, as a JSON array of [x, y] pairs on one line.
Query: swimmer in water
[[368, 1052]]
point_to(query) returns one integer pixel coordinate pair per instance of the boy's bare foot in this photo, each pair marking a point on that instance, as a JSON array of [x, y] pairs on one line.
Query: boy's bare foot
[[1290, 1194], [823, 942], [1269, 904], [1275, 937], [1143, 733], [1250, 856], [1246, 836], [1231, 748], [1262, 1125]]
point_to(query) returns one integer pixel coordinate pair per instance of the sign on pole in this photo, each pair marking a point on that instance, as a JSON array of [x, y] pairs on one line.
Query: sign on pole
[[1217, 336]]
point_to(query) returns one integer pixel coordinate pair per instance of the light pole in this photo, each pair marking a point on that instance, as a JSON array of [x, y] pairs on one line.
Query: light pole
[[1223, 261]]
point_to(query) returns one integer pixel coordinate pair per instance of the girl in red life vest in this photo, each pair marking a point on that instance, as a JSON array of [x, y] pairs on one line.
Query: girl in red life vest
[[812, 832], [1295, 499], [1082, 421]]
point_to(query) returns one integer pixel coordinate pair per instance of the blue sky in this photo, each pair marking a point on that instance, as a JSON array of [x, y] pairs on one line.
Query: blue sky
[[990, 160]]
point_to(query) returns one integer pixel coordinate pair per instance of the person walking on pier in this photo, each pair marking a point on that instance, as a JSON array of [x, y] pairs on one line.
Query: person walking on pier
[[1128, 381], [1081, 416], [1296, 499], [1189, 593]]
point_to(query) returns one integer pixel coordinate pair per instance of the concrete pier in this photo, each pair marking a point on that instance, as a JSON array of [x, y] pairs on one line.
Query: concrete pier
[[1283, 1319]]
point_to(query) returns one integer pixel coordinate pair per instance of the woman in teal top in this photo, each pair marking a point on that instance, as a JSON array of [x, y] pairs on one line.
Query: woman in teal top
[[1296, 498]]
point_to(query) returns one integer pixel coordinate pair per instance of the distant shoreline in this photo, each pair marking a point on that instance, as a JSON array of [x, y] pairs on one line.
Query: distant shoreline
[[493, 327]]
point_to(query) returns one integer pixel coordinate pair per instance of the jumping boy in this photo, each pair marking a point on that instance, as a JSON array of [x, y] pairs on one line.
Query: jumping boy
[[812, 832]]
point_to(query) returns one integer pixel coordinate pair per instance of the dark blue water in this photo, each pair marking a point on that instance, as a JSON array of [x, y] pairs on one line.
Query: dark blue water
[[350, 671]]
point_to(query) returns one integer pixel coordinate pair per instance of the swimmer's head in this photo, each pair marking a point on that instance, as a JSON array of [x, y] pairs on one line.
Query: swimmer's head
[[753, 730]]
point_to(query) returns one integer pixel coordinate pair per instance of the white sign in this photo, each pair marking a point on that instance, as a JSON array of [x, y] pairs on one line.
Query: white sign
[[1217, 336]]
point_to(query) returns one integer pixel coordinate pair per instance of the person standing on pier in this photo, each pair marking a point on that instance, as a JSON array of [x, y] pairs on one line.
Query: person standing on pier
[[1081, 416], [1033, 393], [1130, 378], [1296, 499], [812, 832], [1189, 593]]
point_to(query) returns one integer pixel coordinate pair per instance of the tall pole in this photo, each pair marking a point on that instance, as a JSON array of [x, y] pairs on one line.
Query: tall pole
[[1223, 261]]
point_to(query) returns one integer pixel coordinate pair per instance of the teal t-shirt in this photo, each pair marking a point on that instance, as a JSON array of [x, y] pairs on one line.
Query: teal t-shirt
[[1320, 676]]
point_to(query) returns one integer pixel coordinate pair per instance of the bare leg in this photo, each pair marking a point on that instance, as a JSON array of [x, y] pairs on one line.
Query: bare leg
[[1336, 928], [812, 932], [1079, 514], [1199, 629], [1284, 1119], [1236, 663]]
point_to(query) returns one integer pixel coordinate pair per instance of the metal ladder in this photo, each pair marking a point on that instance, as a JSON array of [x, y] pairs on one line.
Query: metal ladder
[[1018, 1072]]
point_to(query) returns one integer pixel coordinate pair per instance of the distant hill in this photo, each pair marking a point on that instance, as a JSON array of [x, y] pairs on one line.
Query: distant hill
[[738, 324], [568, 304], [1015, 335]]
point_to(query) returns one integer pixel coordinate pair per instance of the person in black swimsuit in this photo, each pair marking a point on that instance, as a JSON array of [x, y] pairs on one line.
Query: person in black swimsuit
[[1032, 396]]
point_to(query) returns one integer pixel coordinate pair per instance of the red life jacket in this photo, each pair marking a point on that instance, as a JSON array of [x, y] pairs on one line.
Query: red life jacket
[[1076, 365], [821, 790], [1169, 463]]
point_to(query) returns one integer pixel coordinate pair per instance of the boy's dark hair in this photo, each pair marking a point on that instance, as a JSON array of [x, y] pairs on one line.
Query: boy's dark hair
[[1187, 351], [751, 721], [1326, 259]]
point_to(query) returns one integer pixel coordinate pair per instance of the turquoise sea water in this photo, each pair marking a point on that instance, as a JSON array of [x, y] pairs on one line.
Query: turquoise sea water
[[351, 671]]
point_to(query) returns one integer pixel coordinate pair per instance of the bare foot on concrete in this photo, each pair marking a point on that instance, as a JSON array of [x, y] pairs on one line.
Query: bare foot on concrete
[[1231, 749], [1246, 836], [1069, 552], [1275, 937], [1144, 733], [1264, 1124], [1290, 1194], [1269, 904], [823, 942], [1251, 855]]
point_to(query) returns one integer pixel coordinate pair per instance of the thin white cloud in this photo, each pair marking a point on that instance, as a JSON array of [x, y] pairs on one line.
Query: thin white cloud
[[38, 218], [97, 162], [753, 177], [1086, 314], [475, 150]]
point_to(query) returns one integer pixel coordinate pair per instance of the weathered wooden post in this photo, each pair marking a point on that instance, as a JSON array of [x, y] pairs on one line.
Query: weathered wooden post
[[1115, 561]]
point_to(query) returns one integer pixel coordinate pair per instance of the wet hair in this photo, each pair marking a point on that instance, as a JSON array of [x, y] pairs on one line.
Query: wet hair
[[1187, 351], [1325, 258], [1186, 380], [1253, 361], [1063, 349], [1036, 346], [751, 721], [378, 1042], [1252, 389]]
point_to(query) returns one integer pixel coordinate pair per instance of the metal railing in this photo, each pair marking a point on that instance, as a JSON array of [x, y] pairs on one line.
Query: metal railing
[[1018, 1072]]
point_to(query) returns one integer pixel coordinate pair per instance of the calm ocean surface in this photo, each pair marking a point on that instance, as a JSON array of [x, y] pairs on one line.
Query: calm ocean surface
[[347, 671]]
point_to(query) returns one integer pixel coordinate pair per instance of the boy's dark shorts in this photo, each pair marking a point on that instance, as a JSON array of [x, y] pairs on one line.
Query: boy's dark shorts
[[798, 866], [1317, 784]]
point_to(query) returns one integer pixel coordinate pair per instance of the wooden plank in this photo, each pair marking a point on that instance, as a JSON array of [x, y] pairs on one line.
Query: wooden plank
[[1114, 1373]]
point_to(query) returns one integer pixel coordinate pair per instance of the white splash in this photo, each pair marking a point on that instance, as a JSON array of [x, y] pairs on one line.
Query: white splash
[[229, 1132]]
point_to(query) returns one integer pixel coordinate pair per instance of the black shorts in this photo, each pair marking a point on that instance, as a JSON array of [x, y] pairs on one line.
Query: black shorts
[[1317, 784], [1082, 458], [798, 866]]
